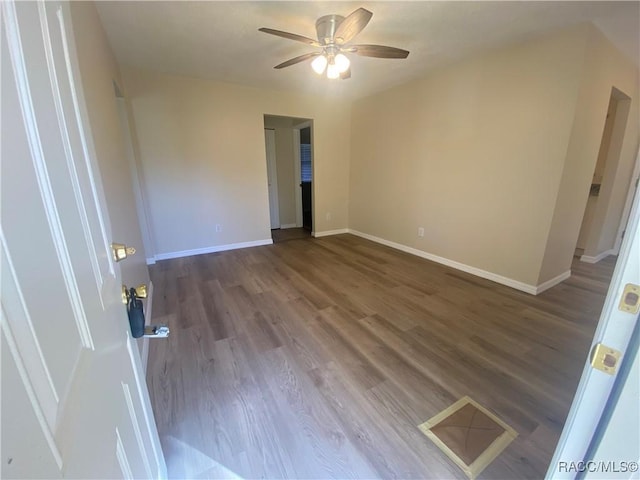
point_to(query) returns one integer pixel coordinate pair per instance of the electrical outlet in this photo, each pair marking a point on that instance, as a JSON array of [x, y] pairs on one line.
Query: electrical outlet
[[328, 215], [218, 227], [421, 231]]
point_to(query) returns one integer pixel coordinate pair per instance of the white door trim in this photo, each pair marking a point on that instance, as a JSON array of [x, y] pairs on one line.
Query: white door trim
[[631, 190], [272, 177], [137, 174], [297, 180]]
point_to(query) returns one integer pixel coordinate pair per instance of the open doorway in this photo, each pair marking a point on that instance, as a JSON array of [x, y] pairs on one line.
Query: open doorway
[[303, 146], [289, 156], [600, 232]]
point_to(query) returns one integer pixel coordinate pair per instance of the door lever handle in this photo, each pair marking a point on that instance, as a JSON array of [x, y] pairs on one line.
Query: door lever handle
[[156, 331]]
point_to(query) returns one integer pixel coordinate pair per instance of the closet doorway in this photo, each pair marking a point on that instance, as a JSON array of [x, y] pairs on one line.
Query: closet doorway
[[289, 143]]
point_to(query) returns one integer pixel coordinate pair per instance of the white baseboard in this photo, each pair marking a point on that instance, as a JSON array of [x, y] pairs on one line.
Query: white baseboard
[[509, 282], [212, 249], [288, 225], [151, 261], [326, 233], [597, 258], [553, 282]]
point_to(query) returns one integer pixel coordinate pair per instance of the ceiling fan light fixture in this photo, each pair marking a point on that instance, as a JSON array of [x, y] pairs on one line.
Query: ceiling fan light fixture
[[342, 63], [335, 34], [319, 64], [332, 71]]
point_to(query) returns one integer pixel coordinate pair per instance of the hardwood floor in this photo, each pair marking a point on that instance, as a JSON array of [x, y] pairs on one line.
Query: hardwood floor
[[318, 358], [284, 235]]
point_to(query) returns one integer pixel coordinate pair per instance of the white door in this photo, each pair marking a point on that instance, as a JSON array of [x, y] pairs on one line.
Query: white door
[[74, 399], [272, 177], [590, 402]]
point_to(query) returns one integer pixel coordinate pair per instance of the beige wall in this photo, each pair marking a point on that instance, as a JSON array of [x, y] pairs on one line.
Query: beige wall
[[203, 154], [604, 68], [285, 164], [98, 69], [492, 156], [473, 153]]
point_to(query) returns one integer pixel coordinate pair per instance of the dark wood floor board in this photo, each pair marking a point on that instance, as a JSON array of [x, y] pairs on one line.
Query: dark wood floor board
[[318, 358], [406, 364], [356, 366], [400, 267], [465, 375], [312, 431], [289, 234], [533, 370], [308, 351], [253, 425], [271, 278], [385, 399], [390, 455], [554, 393], [315, 422]]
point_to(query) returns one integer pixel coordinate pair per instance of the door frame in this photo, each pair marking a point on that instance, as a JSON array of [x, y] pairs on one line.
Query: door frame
[[272, 178], [297, 171], [614, 330], [297, 176], [137, 174], [626, 211]]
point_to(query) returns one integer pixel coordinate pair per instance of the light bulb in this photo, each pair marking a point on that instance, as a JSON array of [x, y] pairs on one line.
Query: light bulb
[[342, 62], [319, 64], [332, 71]]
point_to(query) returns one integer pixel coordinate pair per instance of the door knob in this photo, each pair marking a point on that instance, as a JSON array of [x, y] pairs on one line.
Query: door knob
[[140, 291], [121, 251]]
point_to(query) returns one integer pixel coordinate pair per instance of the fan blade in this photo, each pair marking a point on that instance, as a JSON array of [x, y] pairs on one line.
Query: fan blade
[[379, 51], [346, 74], [298, 59], [352, 25], [290, 36]]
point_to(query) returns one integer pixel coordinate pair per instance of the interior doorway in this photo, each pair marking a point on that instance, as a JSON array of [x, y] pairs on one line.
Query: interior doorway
[[306, 177], [600, 234], [289, 144]]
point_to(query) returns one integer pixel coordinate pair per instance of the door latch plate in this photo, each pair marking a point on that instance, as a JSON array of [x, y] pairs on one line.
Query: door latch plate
[[605, 358], [630, 301]]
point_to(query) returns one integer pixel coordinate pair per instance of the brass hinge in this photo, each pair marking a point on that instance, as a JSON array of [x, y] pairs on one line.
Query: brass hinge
[[605, 358]]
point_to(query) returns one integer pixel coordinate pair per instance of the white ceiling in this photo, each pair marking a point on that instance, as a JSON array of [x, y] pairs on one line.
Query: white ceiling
[[220, 40]]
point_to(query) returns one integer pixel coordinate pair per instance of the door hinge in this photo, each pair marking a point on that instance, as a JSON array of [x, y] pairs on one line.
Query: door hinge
[[630, 300], [605, 358]]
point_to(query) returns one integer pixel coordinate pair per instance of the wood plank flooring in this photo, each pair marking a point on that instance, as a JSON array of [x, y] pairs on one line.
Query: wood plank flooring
[[284, 235], [318, 358]]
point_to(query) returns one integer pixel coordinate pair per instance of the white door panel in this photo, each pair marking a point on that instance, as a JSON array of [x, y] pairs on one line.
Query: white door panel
[[24, 426], [30, 231], [73, 378]]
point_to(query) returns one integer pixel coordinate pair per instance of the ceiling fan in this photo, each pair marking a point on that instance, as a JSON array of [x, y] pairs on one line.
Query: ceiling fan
[[334, 34]]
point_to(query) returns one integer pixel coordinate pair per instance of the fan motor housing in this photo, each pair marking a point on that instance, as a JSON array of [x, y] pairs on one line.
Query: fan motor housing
[[326, 28]]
